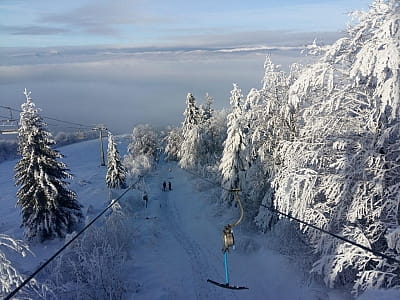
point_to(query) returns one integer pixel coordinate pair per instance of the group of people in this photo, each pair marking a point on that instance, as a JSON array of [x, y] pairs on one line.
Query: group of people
[[164, 186]]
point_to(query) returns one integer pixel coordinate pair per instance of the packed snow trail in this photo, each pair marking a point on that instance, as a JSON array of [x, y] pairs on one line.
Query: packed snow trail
[[197, 258]]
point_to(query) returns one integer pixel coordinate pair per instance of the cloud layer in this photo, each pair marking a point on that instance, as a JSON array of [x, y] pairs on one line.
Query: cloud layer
[[122, 87]]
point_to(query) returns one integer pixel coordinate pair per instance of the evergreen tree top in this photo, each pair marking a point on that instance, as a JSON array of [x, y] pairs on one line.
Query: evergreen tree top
[[236, 98]]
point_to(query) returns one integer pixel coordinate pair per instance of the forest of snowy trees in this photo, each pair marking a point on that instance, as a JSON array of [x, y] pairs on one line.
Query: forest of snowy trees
[[320, 143]]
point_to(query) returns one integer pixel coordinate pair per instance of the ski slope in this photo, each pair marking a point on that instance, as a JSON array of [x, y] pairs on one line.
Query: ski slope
[[177, 243]]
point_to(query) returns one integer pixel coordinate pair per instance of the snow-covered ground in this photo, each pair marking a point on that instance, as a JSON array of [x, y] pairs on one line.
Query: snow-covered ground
[[177, 241]]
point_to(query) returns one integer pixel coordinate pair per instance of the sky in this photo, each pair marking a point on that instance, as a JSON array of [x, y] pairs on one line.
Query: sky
[[127, 62]]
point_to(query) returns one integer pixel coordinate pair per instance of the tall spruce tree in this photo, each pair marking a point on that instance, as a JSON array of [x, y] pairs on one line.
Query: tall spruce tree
[[235, 157], [49, 209], [116, 174], [191, 114], [188, 153]]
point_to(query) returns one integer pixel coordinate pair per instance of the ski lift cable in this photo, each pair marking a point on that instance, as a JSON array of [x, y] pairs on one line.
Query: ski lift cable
[[26, 281], [51, 118], [68, 122], [207, 180], [377, 253], [276, 211]]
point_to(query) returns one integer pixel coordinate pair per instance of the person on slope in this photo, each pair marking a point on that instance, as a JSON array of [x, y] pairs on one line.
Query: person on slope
[[145, 198], [164, 186]]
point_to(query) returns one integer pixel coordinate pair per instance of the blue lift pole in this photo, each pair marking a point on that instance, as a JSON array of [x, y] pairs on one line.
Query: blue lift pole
[[226, 267]]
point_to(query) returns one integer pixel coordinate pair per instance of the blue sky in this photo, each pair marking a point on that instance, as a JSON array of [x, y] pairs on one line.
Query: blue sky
[[43, 23], [122, 63]]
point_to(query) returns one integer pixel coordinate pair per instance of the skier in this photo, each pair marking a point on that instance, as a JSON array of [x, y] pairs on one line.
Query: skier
[[145, 198], [169, 185], [164, 186]]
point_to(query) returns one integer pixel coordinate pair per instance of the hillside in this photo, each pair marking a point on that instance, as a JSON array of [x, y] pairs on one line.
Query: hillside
[[176, 244]]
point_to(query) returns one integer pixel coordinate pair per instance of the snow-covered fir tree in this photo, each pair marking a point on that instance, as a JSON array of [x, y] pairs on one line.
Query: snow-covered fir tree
[[257, 181], [189, 150], [212, 134], [272, 120], [207, 110], [191, 113], [207, 143], [235, 158], [198, 144], [49, 209], [217, 132], [116, 174]]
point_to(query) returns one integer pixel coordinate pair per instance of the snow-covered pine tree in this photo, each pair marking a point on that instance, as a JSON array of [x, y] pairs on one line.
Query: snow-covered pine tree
[[255, 185], [208, 111], [206, 147], [271, 120], [189, 151], [217, 132], [235, 158], [49, 208], [202, 135], [191, 114], [116, 174], [274, 115]]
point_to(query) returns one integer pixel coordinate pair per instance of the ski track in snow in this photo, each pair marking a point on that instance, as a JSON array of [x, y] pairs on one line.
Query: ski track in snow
[[201, 268]]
